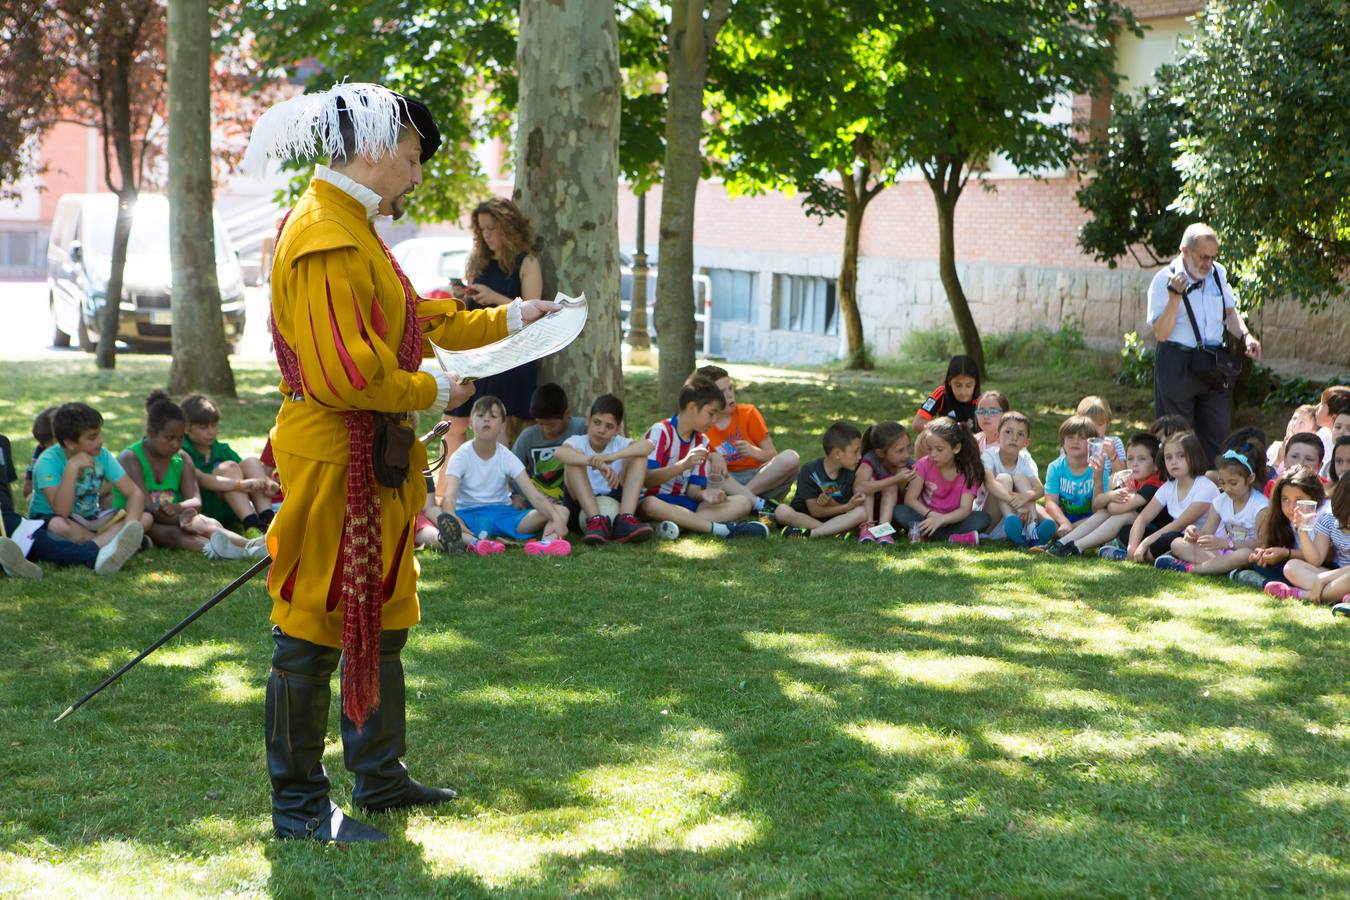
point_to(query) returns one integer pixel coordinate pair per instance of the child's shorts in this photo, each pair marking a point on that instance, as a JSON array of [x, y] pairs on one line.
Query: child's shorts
[[676, 500], [574, 513], [495, 519]]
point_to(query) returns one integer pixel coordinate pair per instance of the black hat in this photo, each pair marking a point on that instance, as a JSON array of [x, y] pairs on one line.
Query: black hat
[[417, 115]]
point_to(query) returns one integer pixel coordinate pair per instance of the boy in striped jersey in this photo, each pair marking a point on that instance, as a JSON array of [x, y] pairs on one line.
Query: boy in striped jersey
[[677, 492]]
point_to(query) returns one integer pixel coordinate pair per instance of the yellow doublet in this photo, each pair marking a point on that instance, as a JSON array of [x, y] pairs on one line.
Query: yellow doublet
[[340, 306]]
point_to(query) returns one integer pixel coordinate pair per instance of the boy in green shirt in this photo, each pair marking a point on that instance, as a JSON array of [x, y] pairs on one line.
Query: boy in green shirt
[[236, 492]]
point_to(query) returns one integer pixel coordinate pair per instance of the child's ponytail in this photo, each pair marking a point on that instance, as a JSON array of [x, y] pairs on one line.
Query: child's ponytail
[[882, 435]]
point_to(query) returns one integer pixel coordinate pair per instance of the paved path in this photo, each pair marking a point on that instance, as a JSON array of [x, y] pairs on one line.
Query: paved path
[[26, 326]]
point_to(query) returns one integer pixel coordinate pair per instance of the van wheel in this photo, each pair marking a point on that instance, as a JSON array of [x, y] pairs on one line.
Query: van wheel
[[82, 335], [59, 337]]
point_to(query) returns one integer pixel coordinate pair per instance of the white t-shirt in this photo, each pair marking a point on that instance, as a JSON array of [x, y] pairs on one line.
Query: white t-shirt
[[1025, 465], [1202, 491], [1240, 526], [582, 443], [483, 481]]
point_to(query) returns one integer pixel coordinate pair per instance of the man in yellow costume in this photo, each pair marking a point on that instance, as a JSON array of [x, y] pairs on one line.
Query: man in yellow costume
[[349, 331]]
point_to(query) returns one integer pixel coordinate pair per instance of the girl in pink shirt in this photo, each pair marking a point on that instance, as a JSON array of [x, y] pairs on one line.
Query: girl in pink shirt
[[940, 500]]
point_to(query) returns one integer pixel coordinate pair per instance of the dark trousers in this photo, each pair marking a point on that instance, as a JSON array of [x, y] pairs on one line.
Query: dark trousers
[[1177, 392], [978, 520], [49, 548]]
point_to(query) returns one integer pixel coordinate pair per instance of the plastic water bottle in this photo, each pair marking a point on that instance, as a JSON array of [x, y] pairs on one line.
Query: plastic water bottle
[[915, 535]]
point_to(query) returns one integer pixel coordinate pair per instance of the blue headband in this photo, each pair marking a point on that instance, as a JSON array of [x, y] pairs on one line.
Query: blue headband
[[1233, 454]]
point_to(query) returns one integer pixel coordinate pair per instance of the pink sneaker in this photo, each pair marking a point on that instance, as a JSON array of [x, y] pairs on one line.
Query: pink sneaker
[[555, 547], [971, 538], [1281, 591], [886, 539], [486, 547], [865, 535]]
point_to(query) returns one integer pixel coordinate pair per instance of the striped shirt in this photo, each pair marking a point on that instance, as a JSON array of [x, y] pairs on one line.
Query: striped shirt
[[669, 448], [1340, 541]]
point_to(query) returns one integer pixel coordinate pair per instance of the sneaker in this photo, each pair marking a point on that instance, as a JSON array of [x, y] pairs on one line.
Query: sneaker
[[748, 530], [486, 547], [256, 548], [886, 539], [1116, 554], [219, 546], [629, 529], [119, 549], [554, 547], [1342, 608], [1249, 578], [1062, 549], [667, 531], [1169, 563], [596, 531], [1281, 591], [449, 534], [970, 538], [1012, 529], [14, 563], [792, 531], [1045, 531], [865, 534]]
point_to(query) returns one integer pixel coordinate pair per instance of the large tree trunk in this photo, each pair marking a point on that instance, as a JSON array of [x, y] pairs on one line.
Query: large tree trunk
[[946, 191], [567, 176], [690, 38], [119, 110], [856, 197], [200, 360]]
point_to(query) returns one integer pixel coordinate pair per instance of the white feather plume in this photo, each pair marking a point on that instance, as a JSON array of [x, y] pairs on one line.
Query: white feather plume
[[306, 127]]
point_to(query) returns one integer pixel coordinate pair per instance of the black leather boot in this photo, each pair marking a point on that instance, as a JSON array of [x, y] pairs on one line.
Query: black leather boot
[[374, 752], [298, 693]]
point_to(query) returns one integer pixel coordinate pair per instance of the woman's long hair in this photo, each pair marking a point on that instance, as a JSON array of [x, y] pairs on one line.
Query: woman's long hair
[[517, 237]]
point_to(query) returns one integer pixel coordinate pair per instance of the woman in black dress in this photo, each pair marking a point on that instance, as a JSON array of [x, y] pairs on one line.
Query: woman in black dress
[[501, 267]]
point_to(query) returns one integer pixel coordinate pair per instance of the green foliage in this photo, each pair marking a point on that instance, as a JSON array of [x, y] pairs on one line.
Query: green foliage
[[1132, 182], [1266, 160], [932, 344], [1136, 362]]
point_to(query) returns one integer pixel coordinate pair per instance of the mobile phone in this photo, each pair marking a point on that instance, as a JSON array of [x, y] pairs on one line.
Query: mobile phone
[[458, 283]]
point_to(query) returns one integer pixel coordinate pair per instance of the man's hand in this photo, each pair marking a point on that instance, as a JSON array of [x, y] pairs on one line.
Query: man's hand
[[534, 310], [1251, 346], [1178, 283]]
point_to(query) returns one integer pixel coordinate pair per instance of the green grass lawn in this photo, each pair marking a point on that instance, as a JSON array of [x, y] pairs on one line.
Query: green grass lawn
[[698, 718]]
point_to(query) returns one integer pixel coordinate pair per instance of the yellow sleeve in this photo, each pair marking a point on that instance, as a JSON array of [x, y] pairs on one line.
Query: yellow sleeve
[[343, 342], [447, 324]]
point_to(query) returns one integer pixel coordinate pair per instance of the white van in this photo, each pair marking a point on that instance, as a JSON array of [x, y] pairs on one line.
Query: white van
[[79, 261]]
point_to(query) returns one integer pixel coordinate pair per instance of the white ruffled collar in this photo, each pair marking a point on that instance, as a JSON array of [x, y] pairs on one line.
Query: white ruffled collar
[[358, 191]]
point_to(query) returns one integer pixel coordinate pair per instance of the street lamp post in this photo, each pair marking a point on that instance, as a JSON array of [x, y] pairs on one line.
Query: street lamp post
[[639, 339]]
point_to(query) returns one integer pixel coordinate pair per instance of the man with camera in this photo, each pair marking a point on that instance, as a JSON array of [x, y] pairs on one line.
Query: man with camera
[[1189, 306]]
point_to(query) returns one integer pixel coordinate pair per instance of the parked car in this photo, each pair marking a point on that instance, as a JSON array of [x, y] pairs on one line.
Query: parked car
[[430, 262], [79, 263], [702, 286]]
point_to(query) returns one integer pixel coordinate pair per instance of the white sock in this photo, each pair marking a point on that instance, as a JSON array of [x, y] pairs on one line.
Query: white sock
[[720, 530], [759, 504]]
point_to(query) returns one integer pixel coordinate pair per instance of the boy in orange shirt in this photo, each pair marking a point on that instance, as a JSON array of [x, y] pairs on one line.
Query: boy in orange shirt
[[744, 450]]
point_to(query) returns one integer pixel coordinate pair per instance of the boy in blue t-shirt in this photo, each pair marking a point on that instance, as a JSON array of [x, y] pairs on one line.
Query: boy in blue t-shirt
[[1072, 480], [69, 476]]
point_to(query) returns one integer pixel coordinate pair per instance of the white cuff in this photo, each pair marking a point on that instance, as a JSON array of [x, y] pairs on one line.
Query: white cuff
[[514, 320]]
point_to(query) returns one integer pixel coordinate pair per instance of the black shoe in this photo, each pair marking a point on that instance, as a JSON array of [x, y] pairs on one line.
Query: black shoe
[[629, 530], [335, 828], [1063, 549], [415, 794], [450, 535], [748, 530]]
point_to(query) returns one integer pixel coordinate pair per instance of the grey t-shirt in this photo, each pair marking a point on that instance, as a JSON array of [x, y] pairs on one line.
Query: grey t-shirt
[[536, 453]]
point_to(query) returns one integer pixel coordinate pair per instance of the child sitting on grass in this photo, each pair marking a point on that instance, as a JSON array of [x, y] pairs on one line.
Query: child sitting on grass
[[1340, 431], [940, 501], [538, 443], [1115, 510], [740, 440], [882, 476], [1074, 479], [989, 411], [1108, 446], [604, 463], [160, 469], [235, 491], [478, 484], [1302, 419], [826, 502], [1322, 575], [42, 437], [1334, 401], [1303, 450], [1281, 540], [677, 492], [1224, 541], [68, 482], [1013, 483], [1185, 499]]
